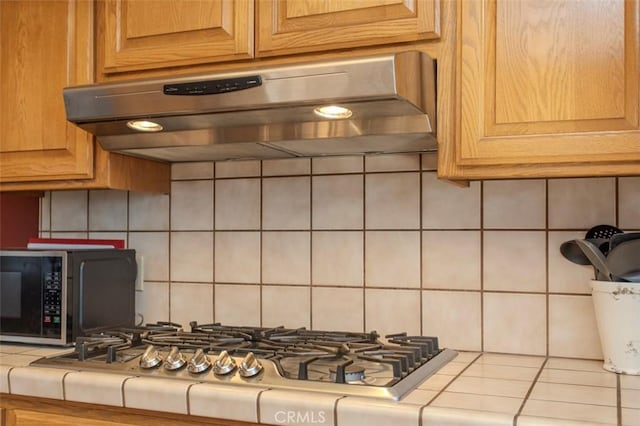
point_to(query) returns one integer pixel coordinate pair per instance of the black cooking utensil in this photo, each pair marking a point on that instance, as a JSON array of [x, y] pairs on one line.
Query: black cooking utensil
[[621, 238], [572, 252], [602, 231], [605, 232], [597, 259], [624, 260], [599, 235]]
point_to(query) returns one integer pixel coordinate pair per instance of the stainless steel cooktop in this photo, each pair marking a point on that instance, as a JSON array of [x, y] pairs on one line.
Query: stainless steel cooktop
[[345, 363]]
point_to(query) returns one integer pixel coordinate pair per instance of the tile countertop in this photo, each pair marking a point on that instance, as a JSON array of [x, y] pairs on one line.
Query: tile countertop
[[473, 389]]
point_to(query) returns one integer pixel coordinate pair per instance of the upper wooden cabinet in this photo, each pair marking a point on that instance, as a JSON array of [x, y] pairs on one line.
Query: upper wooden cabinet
[[136, 35], [545, 88], [47, 45], [294, 26], [36, 61], [143, 34]]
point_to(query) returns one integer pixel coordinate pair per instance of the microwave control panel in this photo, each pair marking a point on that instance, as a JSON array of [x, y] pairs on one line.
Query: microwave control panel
[[52, 295]]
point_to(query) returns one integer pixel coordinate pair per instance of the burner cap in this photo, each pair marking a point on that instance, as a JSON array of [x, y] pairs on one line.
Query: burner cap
[[352, 373]]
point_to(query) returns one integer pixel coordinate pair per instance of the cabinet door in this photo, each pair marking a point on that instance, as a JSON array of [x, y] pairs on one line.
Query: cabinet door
[[295, 26], [36, 62], [146, 34], [546, 88]]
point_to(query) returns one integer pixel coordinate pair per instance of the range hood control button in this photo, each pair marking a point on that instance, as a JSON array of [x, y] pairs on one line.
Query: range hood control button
[[212, 87], [199, 362], [150, 358], [250, 366], [175, 360], [224, 364]]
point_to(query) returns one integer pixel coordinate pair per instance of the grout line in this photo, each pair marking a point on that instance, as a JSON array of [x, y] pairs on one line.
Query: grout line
[[616, 201], [9, 379], [259, 396], [482, 291], [364, 246], [335, 409], [618, 400], [526, 397], [260, 310], [64, 390], [126, 379], [169, 250], [546, 264], [187, 395], [311, 245], [307, 229], [421, 251], [88, 204], [213, 251]]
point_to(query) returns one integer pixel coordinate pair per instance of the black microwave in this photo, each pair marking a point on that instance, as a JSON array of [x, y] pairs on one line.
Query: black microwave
[[54, 296]]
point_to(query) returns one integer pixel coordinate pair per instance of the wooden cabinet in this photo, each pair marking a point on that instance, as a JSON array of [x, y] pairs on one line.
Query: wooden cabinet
[[19, 410], [47, 45], [36, 61], [34, 418], [136, 35], [295, 26], [545, 88], [142, 34]]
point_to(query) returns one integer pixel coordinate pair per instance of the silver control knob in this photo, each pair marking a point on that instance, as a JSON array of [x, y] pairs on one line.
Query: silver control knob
[[175, 360], [250, 366], [224, 364], [150, 358], [199, 362]]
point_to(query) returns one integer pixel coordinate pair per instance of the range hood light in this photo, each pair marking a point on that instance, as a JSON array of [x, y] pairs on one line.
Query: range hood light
[[144, 125], [334, 112]]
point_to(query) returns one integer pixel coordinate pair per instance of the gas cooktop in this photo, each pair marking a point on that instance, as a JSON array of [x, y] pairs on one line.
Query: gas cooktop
[[345, 363]]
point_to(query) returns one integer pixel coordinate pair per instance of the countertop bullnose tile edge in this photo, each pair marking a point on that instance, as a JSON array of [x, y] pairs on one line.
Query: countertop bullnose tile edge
[[43, 382], [546, 421], [442, 416], [375, 412], [94, 388], [153, 393], [282, 407], [231, 402]]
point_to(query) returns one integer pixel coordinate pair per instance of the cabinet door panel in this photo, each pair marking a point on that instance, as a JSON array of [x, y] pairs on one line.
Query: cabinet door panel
[[145, 34], [36, 62], [295, 26], [546, 88]]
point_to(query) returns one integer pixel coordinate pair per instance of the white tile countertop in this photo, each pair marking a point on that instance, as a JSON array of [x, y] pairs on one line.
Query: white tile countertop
[[473, 389]]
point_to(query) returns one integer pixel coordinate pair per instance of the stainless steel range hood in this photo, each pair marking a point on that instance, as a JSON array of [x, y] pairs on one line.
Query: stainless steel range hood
[[267, 112]]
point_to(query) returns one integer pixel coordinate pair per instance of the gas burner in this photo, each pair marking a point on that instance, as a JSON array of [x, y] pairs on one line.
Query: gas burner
[[348, 363]]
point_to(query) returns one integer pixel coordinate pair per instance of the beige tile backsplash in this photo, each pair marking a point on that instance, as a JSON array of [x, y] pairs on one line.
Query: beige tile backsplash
[[362, 244]]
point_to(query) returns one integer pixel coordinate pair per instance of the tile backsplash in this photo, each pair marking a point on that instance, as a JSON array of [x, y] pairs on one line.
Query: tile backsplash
[[362, 243]]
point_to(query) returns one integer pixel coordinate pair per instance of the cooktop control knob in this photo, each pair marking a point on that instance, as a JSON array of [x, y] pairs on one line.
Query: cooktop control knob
[[224, 364], [250, 366], [199, 362], [150, 358], [175, 360]]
